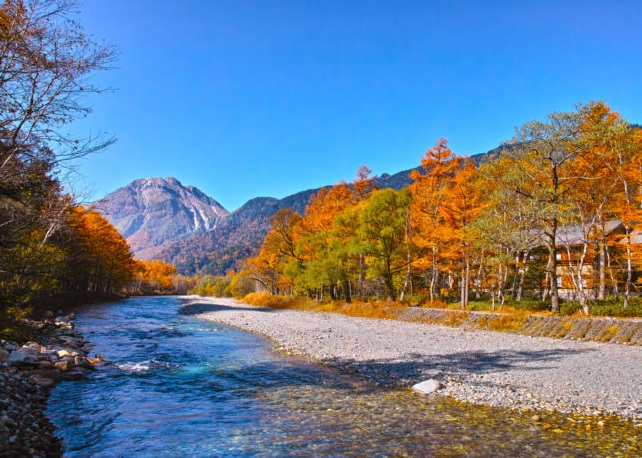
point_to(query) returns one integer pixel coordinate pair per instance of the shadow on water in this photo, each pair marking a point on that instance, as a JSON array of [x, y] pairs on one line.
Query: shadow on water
[[202, 307]]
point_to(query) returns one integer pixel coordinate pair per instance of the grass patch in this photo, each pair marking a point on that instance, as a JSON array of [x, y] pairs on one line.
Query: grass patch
[[525, 305], [454, 319], [611, 307], [507, 322], [265, 299], [373, 309]]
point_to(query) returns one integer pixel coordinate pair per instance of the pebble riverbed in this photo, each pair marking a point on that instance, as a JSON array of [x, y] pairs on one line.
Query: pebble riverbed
[[481, 367]]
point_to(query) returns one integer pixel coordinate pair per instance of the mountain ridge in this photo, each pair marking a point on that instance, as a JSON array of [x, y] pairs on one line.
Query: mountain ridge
[[153, 212], [210, 249]]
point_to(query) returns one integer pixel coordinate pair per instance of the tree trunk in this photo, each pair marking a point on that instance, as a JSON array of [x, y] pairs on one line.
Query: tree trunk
[[360, 280], [435, 275], [346, 290], [406, 280], [479, 276], [601, 293], [551, 270], [513, 291], [616, 289], [629, 271], [390, 290], [465, 276], [522, 274]]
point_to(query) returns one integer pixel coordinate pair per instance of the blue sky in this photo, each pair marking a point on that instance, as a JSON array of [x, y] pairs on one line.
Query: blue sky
[[266, 98]]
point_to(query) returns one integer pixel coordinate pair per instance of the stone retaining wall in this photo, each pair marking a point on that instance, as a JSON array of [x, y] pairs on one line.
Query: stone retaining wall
[[611, 330]]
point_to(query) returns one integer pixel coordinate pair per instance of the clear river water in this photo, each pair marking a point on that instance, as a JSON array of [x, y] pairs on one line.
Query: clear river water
[[179, 386]]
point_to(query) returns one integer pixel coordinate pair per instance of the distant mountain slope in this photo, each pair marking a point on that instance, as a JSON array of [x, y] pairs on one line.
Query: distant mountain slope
[[154, 212], [240, 234], [237, 237]]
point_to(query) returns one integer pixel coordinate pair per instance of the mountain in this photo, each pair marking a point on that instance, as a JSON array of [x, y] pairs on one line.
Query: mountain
[[240, 234], [236, 238], [155, 212], [162, 219]]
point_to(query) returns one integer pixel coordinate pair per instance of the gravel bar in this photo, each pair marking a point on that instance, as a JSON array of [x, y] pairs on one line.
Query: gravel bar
[[481, 367]]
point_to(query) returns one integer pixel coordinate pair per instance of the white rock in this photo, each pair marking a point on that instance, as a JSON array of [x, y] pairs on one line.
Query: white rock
[[427, 386], [63, 353]]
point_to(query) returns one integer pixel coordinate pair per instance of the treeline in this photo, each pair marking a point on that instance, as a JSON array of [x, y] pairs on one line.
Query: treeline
[[555, 214], [51, 249]]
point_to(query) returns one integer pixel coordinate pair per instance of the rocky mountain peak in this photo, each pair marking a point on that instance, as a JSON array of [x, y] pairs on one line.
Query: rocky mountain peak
[[153, 212]]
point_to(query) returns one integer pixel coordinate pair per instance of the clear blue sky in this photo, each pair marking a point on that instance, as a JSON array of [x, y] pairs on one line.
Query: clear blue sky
[[267, 97]]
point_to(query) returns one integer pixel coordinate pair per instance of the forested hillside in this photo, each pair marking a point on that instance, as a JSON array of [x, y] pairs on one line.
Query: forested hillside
[[555, 215], [237, 237]]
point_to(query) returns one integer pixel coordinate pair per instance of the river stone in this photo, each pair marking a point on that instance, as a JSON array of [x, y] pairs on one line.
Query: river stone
[[427, 386], [66, 353], [44, 381], [32, 346], [98, 361], [53, 374], [45, 364], [23, 357], [77, 373], [62, 320], [64, 365]]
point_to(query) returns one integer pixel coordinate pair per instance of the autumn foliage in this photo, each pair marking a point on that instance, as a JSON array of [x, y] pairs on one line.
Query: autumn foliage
[[555, 215]]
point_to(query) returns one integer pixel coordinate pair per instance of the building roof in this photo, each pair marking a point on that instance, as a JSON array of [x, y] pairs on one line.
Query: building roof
[[577, 235]]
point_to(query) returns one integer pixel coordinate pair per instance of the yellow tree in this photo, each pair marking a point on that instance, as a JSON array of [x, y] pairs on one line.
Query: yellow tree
[[627, 204], [505, 226], [457, 233], [541, 158], [322, 245], [100, 259], [428, 191], [583, 234], [608, 182], [156, 276], [278, 249]]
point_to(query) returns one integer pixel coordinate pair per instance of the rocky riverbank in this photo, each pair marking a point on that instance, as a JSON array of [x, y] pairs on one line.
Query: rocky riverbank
[[27, 372], [482, 367]]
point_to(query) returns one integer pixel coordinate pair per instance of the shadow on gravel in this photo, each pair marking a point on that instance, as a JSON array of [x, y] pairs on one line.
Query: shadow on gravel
[[202, 307], [421, 367]]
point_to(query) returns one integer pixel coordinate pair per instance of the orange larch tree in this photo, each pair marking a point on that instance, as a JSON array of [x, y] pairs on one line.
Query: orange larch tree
[[100, 260], [457, 233], [429, 191]]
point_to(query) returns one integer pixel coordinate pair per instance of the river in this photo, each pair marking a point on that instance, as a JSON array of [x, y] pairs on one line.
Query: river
[[178, 386]]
